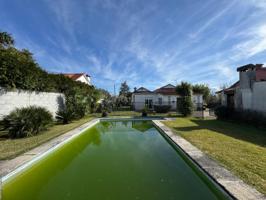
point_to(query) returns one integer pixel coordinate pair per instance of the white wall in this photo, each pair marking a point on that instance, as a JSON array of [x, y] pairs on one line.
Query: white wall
[[9, 100], [197, 98], [138, 100], [247, 98], [223, 99], [85, 79], [259, 96]]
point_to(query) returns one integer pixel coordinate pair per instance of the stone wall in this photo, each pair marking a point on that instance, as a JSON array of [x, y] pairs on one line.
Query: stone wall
[[9, 100]]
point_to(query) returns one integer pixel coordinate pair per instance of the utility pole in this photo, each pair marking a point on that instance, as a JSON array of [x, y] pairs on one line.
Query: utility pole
[[114, 90]]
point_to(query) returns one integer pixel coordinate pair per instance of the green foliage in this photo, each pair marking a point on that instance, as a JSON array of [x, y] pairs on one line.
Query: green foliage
[[65, 116], [213, 101], [18, 70], [103, 94], [104, 114], [222, 112], [202, 89], [185, 106], [244, 116], [6, 40], [124, 89], [144, 112], [162, 108], [124, 98], [184, 89], [27, 121]]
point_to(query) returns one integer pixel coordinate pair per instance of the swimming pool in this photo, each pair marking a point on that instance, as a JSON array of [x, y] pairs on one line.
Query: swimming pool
[[113, 160]]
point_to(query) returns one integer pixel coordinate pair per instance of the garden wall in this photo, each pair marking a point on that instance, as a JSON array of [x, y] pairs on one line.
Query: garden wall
[[9, 100]]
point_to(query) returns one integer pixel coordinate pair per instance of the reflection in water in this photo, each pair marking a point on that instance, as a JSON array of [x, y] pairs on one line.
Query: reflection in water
[[142, 126]]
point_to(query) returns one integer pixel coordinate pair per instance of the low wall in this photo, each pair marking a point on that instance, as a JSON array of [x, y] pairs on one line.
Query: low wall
[[9, 100]]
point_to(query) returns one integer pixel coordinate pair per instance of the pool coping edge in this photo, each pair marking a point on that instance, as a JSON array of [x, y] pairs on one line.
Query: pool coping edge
[[223, 177]]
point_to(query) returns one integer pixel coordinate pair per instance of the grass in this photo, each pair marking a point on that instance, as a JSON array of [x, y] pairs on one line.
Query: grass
[[238, 147], [10, 148]]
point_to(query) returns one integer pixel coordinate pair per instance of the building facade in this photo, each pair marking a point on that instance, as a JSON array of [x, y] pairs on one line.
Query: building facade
[[249, 93], [165, 95]]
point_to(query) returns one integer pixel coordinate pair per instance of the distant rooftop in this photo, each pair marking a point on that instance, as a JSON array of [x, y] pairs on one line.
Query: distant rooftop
[[248, 67], [75, 76]]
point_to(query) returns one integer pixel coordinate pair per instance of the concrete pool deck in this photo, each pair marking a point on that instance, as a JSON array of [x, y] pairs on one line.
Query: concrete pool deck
[[233, 185]]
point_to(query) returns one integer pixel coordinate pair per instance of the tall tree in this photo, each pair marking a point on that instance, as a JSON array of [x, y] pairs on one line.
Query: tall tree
[[202, 89], [185, 91], [6, 40], [124, 89]]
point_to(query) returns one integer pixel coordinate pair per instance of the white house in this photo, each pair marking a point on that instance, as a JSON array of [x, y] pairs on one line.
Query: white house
[[82, 77], [165, 95]]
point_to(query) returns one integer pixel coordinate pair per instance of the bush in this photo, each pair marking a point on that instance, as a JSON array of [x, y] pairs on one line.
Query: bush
[[144, 112], [244, 116], [249, 117], [162, 108], [222, 112], [24, 122], [65, 116], [186, 106], [104, 114]]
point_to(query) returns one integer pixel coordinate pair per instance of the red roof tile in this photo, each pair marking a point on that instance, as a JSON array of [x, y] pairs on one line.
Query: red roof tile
[[75, 76], [166, 90]]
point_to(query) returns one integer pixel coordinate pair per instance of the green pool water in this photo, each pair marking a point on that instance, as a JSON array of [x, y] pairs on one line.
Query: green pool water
[[111, 161]]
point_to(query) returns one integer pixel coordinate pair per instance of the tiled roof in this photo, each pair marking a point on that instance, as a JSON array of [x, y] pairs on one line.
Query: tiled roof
[[230, 89], [142, 90], [166, 90], [75, 76]]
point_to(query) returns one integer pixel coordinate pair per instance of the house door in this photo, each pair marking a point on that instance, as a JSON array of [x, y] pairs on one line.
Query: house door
[[149, 103]]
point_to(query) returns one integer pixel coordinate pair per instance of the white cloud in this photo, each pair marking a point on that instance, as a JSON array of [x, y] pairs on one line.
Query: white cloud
[[254, 44]]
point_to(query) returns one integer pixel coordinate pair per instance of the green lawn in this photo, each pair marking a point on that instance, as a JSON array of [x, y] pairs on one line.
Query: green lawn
[[238, 147], [10, 148]]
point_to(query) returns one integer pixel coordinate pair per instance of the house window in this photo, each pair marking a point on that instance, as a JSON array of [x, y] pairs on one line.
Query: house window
[[169, 100], [148, 103], [160, 101]]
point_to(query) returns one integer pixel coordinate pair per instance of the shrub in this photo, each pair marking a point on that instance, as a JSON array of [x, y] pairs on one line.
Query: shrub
[[222, 112], [249, 117], [65, 116], [244, 116], [186, 106], [104, 114], [162, 108], [23, 122], [144, 112]]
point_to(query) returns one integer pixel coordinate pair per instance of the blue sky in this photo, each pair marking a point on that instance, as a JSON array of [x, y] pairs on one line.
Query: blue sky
[[146, 43]]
